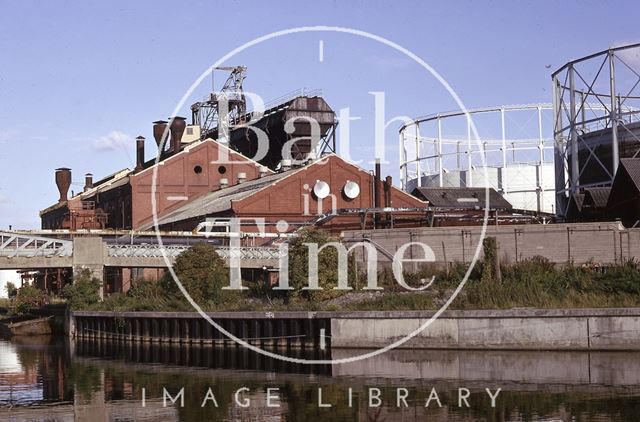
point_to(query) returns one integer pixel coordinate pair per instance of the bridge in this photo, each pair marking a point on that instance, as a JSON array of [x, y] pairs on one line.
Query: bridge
[[20, 251]]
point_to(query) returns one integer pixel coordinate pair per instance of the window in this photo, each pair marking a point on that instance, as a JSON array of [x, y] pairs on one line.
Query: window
[[197, 169], [189, 131], [222, 169]]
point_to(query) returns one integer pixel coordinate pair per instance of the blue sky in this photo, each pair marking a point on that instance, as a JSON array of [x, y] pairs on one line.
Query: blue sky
[[78, 81]]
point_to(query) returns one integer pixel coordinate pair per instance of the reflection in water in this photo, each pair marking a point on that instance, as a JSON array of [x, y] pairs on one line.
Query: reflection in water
[[52, 379]]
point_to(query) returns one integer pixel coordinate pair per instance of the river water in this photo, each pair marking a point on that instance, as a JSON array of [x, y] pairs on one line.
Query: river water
[[46, 379]]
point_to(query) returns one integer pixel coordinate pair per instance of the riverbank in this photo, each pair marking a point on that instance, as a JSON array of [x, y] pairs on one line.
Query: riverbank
[[515, 329]]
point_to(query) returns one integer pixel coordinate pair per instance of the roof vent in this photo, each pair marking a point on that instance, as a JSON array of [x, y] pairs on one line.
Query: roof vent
[[63, 181], [242, 177], [262, 171], [285, 165], [88, 181], [351, 189], [321, 189], [224, 182]]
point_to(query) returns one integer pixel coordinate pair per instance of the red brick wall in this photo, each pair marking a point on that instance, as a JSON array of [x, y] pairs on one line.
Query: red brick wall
[[286, 199], [176, 177]]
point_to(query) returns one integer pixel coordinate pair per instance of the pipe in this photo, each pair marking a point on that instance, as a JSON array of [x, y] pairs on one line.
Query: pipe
[[140, 153], [377, 192], [387, 191]]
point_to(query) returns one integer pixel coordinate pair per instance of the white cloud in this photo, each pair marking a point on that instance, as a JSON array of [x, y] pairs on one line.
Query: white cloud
[[112, 141]]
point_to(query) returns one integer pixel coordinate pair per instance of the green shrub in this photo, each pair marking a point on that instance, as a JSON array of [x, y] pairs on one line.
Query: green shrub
[[28, 298], [11, 288], [327, 266], [84, 292], [202, 272]]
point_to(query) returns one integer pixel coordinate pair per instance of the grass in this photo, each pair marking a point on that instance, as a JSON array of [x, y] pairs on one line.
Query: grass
[[533, 283]]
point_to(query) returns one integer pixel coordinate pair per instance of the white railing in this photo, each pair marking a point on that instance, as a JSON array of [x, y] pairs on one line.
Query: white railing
[[24, 246], [172, 251]]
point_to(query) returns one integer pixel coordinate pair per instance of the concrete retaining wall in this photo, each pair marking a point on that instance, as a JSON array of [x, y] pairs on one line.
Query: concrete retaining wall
[[606, 243], [516, 329], [579, 329]]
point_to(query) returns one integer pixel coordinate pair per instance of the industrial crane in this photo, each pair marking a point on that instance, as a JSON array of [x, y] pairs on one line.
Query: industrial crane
[[206, 113]]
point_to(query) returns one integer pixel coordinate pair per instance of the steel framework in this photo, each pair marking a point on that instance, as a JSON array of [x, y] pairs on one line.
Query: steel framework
[[206, 113], [172, 251], [516, 141], [589, 141], [14, 245]]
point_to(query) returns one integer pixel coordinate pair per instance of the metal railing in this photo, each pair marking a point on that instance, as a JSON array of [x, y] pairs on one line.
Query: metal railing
[[16, 245], [172, 251]]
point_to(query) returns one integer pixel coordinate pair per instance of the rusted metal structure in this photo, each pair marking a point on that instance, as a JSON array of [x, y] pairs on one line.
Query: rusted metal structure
[[295, 129]]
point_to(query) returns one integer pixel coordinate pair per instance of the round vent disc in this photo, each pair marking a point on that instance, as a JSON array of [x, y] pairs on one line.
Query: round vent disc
[[351, 190], [321, 189]]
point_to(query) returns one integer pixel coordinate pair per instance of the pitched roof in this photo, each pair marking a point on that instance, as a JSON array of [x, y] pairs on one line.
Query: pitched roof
[[461, 197], [578, 200], [632, 167], [596, 197], [220, 200]]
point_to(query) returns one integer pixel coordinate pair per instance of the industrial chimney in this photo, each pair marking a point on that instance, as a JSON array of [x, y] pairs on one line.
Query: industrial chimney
[[387, 191], [63, 181], [88, 181], [177, 126], [140, 153], [159, 127], [378, 183]]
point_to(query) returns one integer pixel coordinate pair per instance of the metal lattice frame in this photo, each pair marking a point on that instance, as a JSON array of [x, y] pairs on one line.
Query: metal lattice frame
[[172, 251], [610, 79], [207, 113], [426, 148], [14, 245]]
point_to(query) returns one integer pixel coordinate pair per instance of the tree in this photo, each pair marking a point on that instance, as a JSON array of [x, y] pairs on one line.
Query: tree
[[11, 288], [28, 297], [84, 291], [202, 272], [327, 265]]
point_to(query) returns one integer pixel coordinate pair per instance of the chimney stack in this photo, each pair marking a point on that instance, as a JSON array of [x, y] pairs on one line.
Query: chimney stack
[[378, 191], [177, 126], [140, 153], [88, 181], [159, 127], [387, 191], [63, 181]]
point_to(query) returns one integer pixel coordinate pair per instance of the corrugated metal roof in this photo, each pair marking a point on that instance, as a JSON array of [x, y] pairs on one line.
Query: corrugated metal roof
[[596, 197], [462, 198], [220, 200], [578, 199]]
